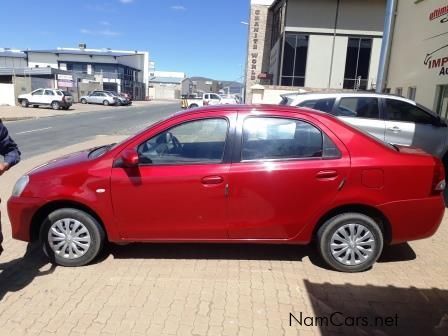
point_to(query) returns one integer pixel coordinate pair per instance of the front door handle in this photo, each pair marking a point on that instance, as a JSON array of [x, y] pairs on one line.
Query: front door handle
[[395, 129], [215, 179], [327, 175]]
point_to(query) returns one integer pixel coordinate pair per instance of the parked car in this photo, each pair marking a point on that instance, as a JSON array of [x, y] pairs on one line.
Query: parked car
[[390, 118], [121, 99], [55, 98], [224, 174], [204, 100], [228, 99], [100, 97]]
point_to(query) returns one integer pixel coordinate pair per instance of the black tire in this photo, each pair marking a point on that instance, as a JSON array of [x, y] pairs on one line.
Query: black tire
[[193, 106], [106, 103], [35, 106], [96, 232], [24, 103], [329, 228], [83, 101], [55, 105]]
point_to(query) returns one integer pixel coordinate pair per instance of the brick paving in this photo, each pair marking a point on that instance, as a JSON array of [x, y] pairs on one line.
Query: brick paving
[[204, 289]]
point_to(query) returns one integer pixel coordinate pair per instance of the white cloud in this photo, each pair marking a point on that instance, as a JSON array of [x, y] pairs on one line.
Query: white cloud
[[126, 1], [178, 8], [103, 32], [105, 23]]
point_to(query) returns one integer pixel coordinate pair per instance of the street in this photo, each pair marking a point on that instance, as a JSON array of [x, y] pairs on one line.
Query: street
[[43, 135]]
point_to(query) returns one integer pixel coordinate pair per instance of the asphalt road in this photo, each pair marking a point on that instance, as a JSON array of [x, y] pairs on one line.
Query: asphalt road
[[38, 136]]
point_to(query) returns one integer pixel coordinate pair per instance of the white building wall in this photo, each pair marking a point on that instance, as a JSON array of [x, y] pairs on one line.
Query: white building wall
[[7, 94], [318, 61], [42, 60], [374, 62], [339, 59]]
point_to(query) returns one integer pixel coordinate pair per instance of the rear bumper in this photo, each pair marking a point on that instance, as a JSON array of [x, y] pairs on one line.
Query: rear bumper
[[414, 219], [21, 211]]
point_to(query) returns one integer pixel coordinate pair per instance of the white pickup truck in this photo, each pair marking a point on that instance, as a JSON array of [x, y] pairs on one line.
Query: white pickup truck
[[206, 99]]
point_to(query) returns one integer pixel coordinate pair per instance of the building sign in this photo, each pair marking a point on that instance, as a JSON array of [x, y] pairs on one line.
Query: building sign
[[438, 59], [440, 12], [254, 45], [65, 83], [65, 77]]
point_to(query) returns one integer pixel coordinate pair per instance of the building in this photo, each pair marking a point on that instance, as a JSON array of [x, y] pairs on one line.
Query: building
[[165, 85], [117, 70], [313, 45], [418, 64]]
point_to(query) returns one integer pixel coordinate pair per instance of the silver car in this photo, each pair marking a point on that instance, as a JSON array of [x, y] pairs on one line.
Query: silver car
[[393, 119], [99, 97]]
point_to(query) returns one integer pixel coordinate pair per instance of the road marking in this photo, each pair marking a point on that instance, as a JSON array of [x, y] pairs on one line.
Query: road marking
[[34, 130], [103, 118]]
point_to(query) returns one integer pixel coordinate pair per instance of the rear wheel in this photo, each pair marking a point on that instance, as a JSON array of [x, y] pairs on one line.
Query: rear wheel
[[24, 103], [106, 103], [55, 105], [71, 237], [350, 242]]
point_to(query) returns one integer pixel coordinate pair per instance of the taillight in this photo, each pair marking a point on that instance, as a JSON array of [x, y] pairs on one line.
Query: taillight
[[63, 99], [438, 182]]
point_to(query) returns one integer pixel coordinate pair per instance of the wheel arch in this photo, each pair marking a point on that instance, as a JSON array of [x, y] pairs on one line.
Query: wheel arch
[[364, 209], [48, 208]]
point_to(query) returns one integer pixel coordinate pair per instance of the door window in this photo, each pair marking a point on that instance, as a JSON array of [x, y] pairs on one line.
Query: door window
[[199, 141], [49, 93], [324, 105], [358, 107], [213, 96], [397, 110], [276, 138], [38, 93]]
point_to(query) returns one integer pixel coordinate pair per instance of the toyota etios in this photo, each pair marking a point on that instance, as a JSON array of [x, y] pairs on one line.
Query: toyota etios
[[247, 174]]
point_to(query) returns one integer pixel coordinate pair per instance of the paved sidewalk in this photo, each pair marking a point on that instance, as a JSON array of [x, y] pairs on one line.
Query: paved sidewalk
[[196, 289], [10, 113]]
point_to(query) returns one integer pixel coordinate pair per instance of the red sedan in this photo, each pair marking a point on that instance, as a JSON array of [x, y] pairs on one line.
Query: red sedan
[[236, 174]]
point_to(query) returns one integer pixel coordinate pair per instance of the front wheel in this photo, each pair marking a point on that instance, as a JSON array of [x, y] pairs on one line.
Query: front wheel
[[106, 103], [350, 242], [24, 103], [83, 101], [71, 237]]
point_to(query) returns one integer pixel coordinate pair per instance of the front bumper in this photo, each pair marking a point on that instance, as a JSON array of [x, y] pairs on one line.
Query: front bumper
[[414, 219], [21, 211]]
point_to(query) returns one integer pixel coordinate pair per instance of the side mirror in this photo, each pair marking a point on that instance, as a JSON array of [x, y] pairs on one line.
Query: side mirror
[[129, 158]]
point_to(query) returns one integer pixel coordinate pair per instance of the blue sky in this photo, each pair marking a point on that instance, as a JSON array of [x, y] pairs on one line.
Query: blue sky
[[199, 37]]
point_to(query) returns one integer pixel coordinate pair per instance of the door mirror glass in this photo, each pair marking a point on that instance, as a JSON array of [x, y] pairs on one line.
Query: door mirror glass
[[129, 158]]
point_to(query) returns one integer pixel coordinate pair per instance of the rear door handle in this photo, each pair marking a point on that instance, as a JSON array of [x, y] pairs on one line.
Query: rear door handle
[[212, 179], [327, 175]]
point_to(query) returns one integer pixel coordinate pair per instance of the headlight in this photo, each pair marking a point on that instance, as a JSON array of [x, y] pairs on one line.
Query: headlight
[[20, 185]]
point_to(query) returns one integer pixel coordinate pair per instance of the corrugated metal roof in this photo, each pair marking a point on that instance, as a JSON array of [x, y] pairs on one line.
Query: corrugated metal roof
[[166, 80], [31, 71], [83, 52], [7, 53]]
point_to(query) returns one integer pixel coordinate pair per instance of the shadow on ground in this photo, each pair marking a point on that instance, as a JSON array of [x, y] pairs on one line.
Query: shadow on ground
[[402, 252], [379, 310], [19, 273]]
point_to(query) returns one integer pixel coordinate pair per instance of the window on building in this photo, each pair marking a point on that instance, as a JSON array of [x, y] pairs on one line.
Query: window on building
[[442, 101], [277, 21], [412, 91], [295, 55], [357, 63], [399, 91]]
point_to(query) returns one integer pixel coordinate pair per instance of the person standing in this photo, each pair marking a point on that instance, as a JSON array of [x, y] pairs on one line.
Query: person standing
[[11, 154]]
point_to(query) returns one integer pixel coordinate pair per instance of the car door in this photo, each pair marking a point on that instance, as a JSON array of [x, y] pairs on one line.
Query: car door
[[37, 96], [409, 125], [179, 189], [285, 171], [92, 98], [214, 99], [362, 112], [48, 97]]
